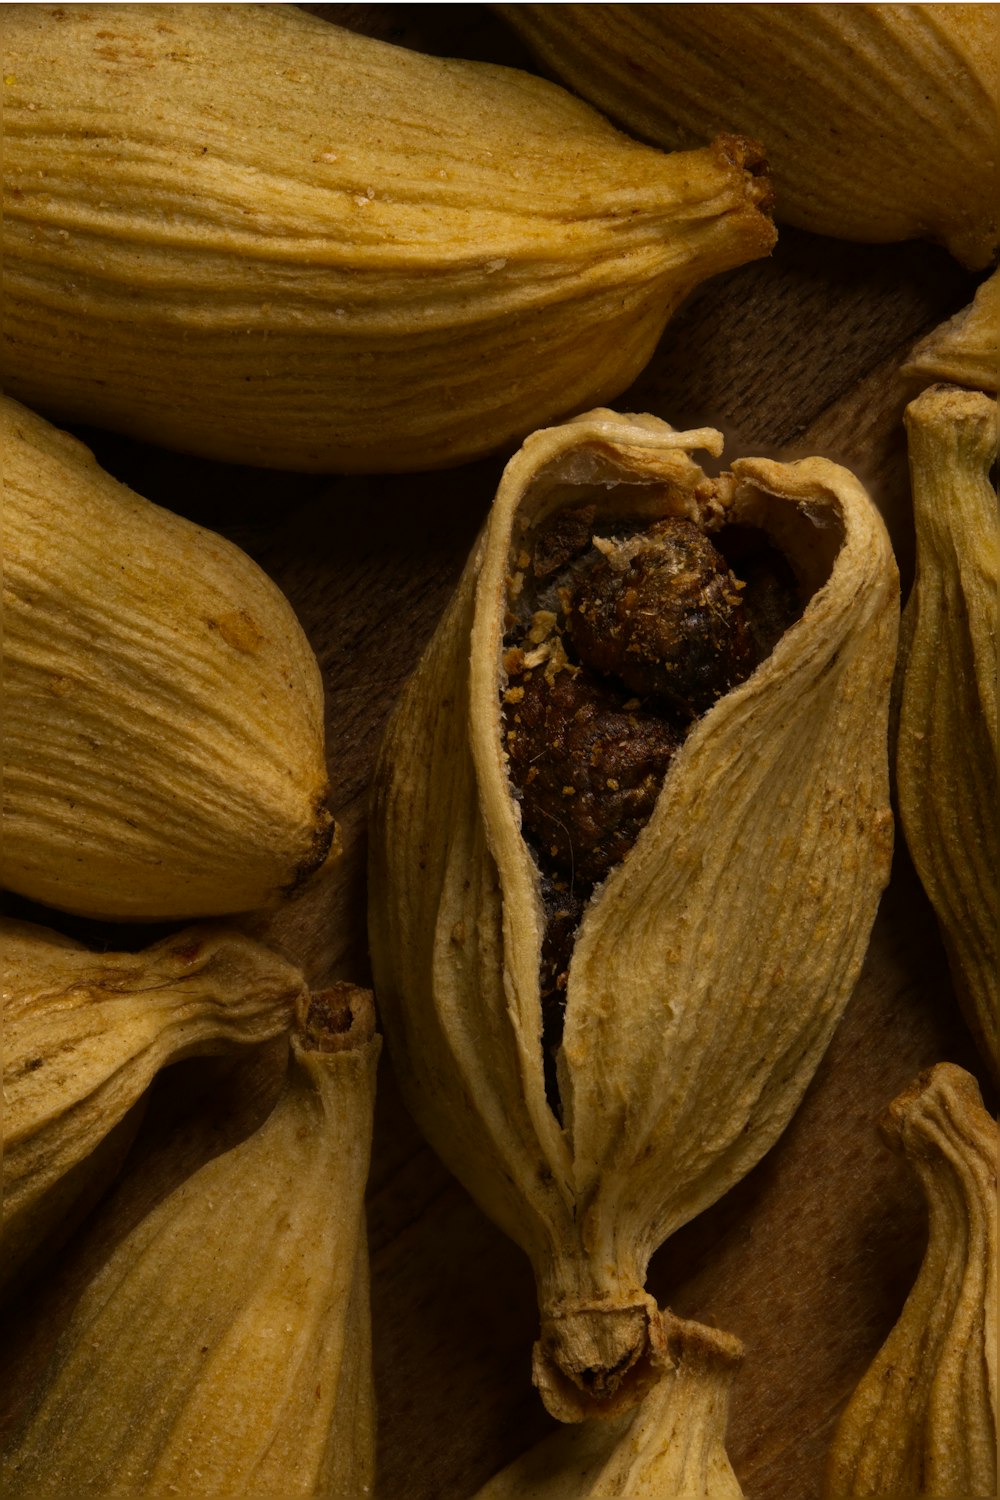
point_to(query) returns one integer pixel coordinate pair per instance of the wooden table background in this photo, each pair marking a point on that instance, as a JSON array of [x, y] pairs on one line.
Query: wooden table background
[[810, 1258]]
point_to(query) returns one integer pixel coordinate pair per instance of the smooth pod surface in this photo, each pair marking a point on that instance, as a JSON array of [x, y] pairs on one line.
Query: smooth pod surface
[[880, 121], [245, 233], [163, 743], [710, 966], [965, 350]]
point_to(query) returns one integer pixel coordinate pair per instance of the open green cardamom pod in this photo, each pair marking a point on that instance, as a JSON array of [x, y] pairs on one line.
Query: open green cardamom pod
[[224, 1349], [671, 1447], [923, 1421], [966, 349], [810, 82], [365, 259], [163, 746], [84, 1035], [946, 755], [617, 903]]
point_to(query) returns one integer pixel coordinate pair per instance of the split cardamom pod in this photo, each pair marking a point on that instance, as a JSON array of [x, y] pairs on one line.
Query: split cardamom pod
[[810, 82], [84, 1035], [163, 747], [224, 1349], [672, 1445], [923, 1421], [946, 755], [966, 349], [618, 905], [367, 260]]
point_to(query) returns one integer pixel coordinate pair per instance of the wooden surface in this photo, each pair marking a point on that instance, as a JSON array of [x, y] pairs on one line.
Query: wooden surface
[[810, 1258]]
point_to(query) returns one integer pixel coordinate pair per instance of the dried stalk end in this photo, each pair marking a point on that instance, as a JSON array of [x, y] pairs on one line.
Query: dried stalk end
[[946, 756], [809, 83], [84, 1035], [228, 1336], [671, 1445], [965, 350], [701, 933], [163, 750], [923, 1421]]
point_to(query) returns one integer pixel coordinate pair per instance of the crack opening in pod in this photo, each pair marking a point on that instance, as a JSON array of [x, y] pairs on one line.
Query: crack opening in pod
[[630, 610]]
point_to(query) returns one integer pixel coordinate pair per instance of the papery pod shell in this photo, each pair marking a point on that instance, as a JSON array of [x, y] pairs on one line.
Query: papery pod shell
[[710, 968], [85, 1034], [163, 749], [812, 82], [671, 1447], [242, 232], [224, 1350], [946, 755], [966, 349], [923, 1421]]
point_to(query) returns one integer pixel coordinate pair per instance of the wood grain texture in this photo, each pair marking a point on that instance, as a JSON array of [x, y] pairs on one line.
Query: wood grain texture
[[810, 1258]]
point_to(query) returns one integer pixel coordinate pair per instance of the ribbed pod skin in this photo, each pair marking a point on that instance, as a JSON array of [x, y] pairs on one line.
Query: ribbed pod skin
[[163, 712], [224, 1350], [85, 1034], [923, 1420], [880, 121], [243, 232], [946, 754]]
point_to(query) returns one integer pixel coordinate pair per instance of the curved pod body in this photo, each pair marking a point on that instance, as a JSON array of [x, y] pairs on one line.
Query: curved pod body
[[242, 232], [709, 968], [163, 750], [880, 121]]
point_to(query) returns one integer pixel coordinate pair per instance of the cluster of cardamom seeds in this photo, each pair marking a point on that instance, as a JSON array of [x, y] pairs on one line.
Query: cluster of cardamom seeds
[[630, 821]]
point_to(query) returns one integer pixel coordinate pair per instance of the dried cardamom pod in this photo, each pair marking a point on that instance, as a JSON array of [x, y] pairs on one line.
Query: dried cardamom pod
[[946, 755], [224, 1349], [163, 751], [598, 1050], [84, 1035], [368, 260], [923, 1421], [966, 349], [671, 1447], [811, 83]]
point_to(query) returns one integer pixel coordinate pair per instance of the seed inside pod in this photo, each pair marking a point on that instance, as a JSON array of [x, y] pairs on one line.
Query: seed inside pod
[[620, 635]]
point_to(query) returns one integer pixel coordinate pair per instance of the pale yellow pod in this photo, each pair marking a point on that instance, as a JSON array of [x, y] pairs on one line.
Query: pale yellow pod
[[947, 750], [242, 232], [923, 1421], [85, 1034], [671, 1447], [163, 741], [965, 350], [880, 122], [708, 970], [224, 1350]]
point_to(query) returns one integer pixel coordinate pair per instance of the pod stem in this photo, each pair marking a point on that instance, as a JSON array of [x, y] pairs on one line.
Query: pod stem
[[598, 1358]]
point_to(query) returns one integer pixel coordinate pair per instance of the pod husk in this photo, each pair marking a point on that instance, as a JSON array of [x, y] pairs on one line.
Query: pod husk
[[966, 349], [245, 233], [812, 83], [163, 743], [709, 969], [923, 1421], [85, 1034], [224, 1350], [946, 752], [671, 1447]]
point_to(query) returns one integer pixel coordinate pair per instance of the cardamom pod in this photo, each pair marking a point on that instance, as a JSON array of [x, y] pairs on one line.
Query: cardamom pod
[[923, 1421], [966, 349], [672, 1445], [84, 1035], [811, 83], [598, 1050], [224, 1349], [946, 754], [163, 747], [364, 259]]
